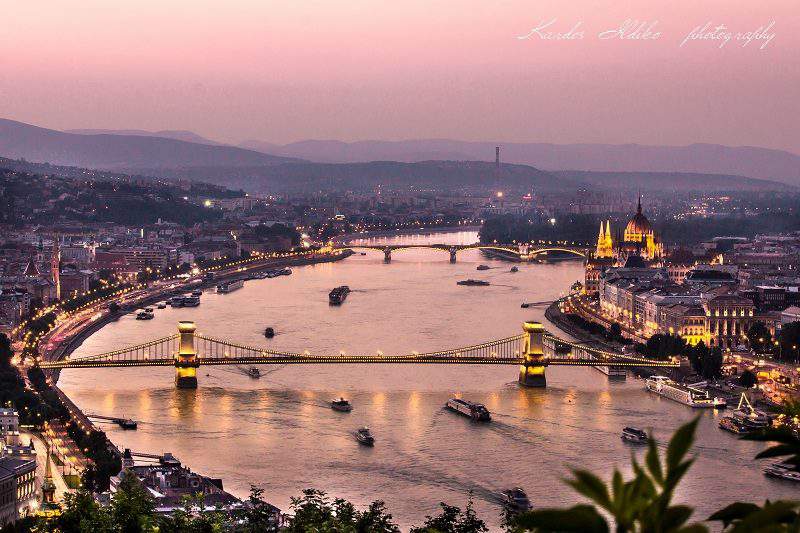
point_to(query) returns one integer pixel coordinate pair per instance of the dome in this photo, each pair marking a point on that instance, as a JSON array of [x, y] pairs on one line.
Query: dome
[[639, 223]]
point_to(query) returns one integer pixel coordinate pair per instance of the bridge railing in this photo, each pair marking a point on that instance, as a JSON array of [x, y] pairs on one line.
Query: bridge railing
[[162, 348]]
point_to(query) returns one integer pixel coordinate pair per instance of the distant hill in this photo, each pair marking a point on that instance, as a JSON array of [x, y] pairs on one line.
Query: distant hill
[[671, 181], [455, 175], [104, 151], [749, 161], [178, 135]]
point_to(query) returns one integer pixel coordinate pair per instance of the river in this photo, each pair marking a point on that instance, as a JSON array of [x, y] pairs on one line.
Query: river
[[278, 432]]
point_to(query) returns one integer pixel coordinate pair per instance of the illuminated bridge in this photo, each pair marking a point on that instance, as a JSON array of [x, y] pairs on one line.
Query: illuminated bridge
[[533, 350], [522, 252]]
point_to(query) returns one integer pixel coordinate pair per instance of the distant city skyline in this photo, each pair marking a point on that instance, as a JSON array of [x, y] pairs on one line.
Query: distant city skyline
[[356, 70]]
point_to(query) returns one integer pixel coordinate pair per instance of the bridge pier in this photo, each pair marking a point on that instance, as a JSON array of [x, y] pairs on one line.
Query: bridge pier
[[186, 359], [387, 255], [531, 372], [453, 255]]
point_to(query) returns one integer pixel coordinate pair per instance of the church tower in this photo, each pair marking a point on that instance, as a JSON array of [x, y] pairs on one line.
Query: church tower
[[605, 245]]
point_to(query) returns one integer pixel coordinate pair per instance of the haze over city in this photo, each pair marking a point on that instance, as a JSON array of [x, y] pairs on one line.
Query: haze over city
[[288, 71]]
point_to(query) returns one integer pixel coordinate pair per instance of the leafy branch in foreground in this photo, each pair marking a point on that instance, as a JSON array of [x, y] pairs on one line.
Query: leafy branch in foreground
[[643, 503]]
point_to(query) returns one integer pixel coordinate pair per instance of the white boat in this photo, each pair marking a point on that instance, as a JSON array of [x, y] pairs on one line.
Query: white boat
[[230, 286], [475, 411], [783, 471], [687, 395], [748, 416], [191, 301]]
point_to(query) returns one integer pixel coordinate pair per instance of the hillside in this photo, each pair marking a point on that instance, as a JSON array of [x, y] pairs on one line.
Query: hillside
[[104, 151], [749, 161]]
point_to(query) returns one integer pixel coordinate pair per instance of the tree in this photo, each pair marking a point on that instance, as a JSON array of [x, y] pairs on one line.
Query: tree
[[194, 517], [696, 354], [453, 520], [711, 365], [662, 347], [759, 337], [790, 341], [644, 503], [80, 512], [314, 511], [615, 331], [258, 516], [748, 379], [132, 507], [5, 350]]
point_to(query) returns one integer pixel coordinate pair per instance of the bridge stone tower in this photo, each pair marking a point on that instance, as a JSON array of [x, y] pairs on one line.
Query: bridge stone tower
[[453, 251], [387, 255], [531, 372], [186, 359]]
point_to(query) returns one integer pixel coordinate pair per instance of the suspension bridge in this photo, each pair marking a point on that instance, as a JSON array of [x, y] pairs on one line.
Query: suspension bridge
[[523, 252], [532, 350]]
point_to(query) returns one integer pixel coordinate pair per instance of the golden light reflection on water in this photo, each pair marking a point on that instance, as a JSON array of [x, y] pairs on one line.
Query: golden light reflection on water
[[109, 404]]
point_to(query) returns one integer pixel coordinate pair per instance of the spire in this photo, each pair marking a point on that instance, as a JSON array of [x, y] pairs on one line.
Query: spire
[[639, 206]]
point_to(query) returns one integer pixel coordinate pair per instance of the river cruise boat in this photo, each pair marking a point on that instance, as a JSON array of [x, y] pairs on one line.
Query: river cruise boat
[[476, 411], [728, 423], [230, 286], [254, 372], [341, 405], [127, 423], [515, 500], [338, 295], [161, 305], [473, 283], [785, 471], [197, 294], [514, 269], [363, 436], [191, 301], [176, 301], [691, 396], [483, 267], [634, 435]]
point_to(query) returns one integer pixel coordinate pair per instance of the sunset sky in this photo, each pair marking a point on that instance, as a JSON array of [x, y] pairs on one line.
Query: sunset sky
[[283, 71]]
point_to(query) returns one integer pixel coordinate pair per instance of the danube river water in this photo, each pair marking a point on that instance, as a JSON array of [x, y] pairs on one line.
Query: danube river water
[[278, 431]]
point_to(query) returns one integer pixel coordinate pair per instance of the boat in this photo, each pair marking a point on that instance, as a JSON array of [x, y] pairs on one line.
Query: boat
[[525, 305], [746, 415], [515, 500], [783, 471], [728, 423], [127, 423], [338, 295], [514, 269], [476, 411], [363, 436], [473, 283], [191, 301], [285, 272], [176, 301], [230, 286], [636, 435], [162, 305], [341, 405], [363, 253], [483, 267], [145, 315], [269, 333], [197, 294], [687, 395], [254, 372], [148, 309]]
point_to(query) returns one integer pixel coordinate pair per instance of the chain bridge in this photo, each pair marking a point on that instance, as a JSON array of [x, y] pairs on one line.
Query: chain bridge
[[522, 252], [532, 350]]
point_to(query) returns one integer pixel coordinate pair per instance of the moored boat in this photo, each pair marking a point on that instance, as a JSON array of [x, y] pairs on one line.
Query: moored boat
[[483, 267], [230, 286], [785, 471], [476, 411], [145, 315], [687, 395]]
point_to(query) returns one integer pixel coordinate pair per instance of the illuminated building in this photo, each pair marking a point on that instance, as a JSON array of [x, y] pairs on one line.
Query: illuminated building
[[639, 238]]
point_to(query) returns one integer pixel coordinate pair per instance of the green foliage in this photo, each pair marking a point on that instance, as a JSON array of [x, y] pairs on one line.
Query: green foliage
[[315, 512], [453, 520], [748, 379], [188, 519], [759, 337], [750, 518], [706, 362], [81, 513], [641, 504], [258, 516], [132, 507], [662, 347]]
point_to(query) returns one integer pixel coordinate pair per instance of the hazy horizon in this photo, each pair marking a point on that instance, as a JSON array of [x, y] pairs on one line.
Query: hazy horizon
[[356, 70]]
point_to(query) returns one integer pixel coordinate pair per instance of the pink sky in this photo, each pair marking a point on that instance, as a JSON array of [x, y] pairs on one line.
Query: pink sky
[[349, 69]]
